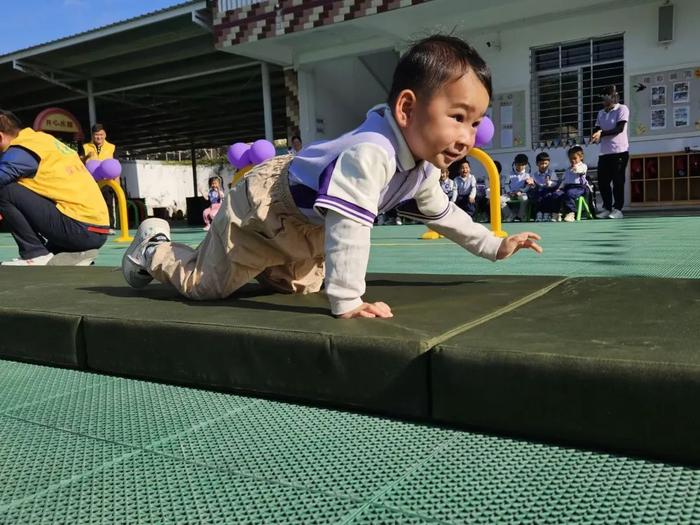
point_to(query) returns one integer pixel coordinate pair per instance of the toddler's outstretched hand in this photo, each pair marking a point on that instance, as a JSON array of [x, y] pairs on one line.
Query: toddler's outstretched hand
[[381, 310], [512, 244]]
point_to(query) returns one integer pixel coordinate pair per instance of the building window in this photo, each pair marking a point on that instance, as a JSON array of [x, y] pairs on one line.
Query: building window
[[566, 81]]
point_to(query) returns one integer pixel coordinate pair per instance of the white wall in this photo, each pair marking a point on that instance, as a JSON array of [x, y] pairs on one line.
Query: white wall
[[511, 65], [168, 185], [344, 89], [339, 92]]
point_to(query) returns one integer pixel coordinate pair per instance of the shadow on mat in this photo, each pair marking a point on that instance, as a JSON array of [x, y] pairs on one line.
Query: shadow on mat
[[237, 300], [411, 284]]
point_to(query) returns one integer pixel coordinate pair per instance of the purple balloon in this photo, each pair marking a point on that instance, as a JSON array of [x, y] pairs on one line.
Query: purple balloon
[[235, 154], [261, 150], [484, 133], [110, 169], [245, 159], [92, 165]]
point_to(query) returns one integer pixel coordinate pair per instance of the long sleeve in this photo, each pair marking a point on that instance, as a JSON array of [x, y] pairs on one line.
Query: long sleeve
[[16, 163], [457, 226], [347, 245], [472, 193], [354, 186]]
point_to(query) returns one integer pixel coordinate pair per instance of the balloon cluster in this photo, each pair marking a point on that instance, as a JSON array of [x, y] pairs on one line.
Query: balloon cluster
[[104, 169], [484, 132], [241, 154]]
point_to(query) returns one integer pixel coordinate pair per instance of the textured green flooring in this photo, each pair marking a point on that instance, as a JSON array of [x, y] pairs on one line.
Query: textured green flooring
[[83, 448], [648, 246]]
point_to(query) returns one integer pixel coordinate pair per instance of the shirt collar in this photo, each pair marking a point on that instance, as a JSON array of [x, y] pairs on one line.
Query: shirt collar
[[404, 157]]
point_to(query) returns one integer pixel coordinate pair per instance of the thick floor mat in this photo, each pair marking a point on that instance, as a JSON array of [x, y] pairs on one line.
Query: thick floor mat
[[261, 343], [597, 362]]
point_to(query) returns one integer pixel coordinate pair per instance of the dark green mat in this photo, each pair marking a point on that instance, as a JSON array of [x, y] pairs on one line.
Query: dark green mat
[[598, 362], [260, 343], [609, 363]]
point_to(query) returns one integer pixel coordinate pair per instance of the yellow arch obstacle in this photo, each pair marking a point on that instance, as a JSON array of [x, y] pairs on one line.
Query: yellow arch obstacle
[[106, 173], [484, 134], [121, 208], [495, 189]]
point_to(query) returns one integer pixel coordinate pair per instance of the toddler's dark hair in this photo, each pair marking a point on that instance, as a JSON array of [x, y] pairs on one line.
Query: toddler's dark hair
[[574, 150], [9, 123], [435, 61], [542, 156]]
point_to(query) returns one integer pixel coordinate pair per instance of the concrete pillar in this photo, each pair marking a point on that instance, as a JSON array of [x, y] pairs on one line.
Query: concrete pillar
[[267, 100], [91, 104], [193, 154], [307, 105]]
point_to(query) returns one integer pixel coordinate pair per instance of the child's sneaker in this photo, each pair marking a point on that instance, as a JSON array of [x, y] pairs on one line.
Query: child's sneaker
[[539, 216], [41, 260], [557, 217], [602, 214], [615, 214], [570, 217], [134, 262], [547, 217]]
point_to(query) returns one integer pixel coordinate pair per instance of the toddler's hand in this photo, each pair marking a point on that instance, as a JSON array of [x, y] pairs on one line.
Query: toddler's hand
[[512, 244], [381, 310]]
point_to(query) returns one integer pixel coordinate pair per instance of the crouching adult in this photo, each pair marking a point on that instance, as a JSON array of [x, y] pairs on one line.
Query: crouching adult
[[48, 199]]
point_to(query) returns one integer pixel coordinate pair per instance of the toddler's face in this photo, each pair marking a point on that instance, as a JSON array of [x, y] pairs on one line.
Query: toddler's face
[[543, 165], [575, 159], [520, 168], [441, 129], [465, 170], [215, 184]]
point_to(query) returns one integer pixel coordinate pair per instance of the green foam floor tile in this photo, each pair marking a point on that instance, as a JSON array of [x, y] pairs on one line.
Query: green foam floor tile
[[482, 479], [131, 412], [347, 454], [377, 514], [150, 488], [25, 384], [34, 458]]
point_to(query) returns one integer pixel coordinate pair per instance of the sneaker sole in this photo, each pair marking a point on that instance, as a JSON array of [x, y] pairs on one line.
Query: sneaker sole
[[85, 258]]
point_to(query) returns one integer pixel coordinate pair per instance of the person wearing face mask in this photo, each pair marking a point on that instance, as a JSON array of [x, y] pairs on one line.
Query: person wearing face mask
[[611, 131]]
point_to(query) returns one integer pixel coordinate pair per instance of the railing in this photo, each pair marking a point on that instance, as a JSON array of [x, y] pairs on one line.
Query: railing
[[229, 5]]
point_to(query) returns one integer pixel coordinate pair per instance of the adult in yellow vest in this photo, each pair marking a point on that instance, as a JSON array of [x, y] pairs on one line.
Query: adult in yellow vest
[[100, 149], [48, 199]]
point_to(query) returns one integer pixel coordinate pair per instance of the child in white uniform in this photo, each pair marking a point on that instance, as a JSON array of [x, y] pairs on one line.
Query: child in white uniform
[[290, 217]]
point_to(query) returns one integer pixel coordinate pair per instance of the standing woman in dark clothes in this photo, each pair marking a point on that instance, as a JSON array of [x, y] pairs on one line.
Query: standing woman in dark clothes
[[611, 131]]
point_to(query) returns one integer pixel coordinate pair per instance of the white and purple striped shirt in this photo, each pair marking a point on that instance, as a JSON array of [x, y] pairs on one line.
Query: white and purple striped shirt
[[365, 172]]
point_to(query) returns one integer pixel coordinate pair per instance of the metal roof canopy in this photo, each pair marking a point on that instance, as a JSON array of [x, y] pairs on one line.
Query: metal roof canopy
[[159, 84]]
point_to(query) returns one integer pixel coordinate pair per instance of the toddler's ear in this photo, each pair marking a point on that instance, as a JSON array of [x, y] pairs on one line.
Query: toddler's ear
[[404, 107]]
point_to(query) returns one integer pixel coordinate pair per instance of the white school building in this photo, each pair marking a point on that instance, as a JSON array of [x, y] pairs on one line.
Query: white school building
[[548, 58]]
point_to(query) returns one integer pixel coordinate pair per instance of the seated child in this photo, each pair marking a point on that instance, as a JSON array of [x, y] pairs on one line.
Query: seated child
[[216, 197], [543, 192], [448, 185], [573, 183], [465, 185], [518, 184], [295, 223]]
